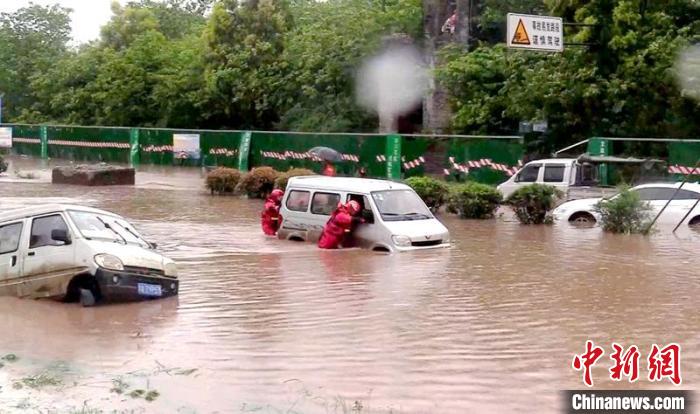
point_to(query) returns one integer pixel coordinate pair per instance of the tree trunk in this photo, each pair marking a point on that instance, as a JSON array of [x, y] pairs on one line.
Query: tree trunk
[[436, 108]]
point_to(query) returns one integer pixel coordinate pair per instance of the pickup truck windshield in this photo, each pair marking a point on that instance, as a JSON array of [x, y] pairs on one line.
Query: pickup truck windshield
[[400, 205], [104, 227]]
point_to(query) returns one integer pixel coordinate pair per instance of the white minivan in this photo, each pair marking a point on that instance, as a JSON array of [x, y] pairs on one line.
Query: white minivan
[[79, 253], [396, 219]]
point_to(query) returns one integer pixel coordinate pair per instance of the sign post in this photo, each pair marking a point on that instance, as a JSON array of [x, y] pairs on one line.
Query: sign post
[[44, 138], [244, 150], [186, 147], [134, 157], [543, 33], [393, 156]]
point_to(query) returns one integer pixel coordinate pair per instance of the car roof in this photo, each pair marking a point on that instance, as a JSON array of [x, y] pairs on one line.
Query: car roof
[[553, 161], [42, 209], [349, 184], [695, 187]]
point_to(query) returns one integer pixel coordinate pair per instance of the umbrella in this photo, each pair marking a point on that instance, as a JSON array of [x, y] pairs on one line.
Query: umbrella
[[326, 154]]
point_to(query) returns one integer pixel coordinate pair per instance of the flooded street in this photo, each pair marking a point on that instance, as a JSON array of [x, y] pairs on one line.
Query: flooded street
[[267, 326]]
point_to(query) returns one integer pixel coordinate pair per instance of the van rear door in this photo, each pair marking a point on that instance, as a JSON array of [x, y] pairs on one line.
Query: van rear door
[[323, 204]]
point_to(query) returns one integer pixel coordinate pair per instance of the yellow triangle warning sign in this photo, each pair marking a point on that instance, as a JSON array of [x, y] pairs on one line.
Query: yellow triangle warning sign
[[520, 37]]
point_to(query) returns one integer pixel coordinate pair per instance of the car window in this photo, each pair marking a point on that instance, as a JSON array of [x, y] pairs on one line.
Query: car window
[[554, 173], [687, 195], [529, 174], [665, 193], [9, 237], [325, 203], [42, 228], [365, 205], [298, 200]]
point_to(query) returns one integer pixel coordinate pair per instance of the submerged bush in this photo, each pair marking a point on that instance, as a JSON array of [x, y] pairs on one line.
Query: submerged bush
[[533, 203], [3, 165], [624, 213], [434, 192], [282, 178], [259, 182], [474, 200], [223, 180]]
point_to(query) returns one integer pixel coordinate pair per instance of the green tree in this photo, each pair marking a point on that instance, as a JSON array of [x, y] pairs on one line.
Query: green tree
[[31, 40], [145, 78], [243, 66], [328, 44], [623, 85]]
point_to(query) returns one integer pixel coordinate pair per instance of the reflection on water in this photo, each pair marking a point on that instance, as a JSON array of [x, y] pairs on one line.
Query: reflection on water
[[263, 325]]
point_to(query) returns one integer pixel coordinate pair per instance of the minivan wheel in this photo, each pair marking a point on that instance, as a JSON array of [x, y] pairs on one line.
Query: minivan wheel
[[87, 298], [80, 283]]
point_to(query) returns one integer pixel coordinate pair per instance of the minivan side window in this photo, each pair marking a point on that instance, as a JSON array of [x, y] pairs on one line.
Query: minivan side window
[[554, 173], [42, 228], [325, 203], [366, 211], [9, 237], [298, 200], [529, 174]]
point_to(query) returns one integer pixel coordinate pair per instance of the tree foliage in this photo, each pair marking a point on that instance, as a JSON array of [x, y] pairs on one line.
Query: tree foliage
[[31, 39], [291, 65], [622, 85]]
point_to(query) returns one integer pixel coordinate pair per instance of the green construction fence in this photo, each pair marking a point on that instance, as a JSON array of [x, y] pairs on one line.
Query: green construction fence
[[489, 159]]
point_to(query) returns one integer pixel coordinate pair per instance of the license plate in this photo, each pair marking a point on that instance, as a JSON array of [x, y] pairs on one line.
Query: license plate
[[146, 289]]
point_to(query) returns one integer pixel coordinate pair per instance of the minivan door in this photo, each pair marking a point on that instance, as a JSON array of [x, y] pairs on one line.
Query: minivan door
[[50, 254], [10, 257], [363, 233]]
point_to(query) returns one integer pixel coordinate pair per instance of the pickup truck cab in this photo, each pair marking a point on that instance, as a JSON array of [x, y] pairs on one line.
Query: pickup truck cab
[[562, 173], [79, 253], [579, 177], [396, 219]]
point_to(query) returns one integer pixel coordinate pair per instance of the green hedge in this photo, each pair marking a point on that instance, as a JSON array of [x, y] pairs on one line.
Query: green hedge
[[474, 200], [533, 203], [434, 192]]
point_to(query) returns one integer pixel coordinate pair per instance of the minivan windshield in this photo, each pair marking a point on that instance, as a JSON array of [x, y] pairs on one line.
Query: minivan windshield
[[105, 227], [400, 205]]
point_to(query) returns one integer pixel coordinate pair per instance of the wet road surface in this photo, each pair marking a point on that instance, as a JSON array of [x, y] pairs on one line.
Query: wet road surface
[[488, 326]]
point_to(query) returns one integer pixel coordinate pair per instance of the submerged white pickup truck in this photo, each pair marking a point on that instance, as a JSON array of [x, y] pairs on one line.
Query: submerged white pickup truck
[[576, 177]]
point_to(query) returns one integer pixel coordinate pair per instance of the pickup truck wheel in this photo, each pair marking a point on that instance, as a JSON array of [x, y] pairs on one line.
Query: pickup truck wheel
[[582, 218]]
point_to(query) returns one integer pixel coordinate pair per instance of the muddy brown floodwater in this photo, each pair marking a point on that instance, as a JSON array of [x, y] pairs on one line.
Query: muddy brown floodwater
[[488, 326]]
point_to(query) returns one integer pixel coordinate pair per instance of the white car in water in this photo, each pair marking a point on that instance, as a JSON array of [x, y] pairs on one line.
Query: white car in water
[[396, 219], [685, 204], [74, 252]]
